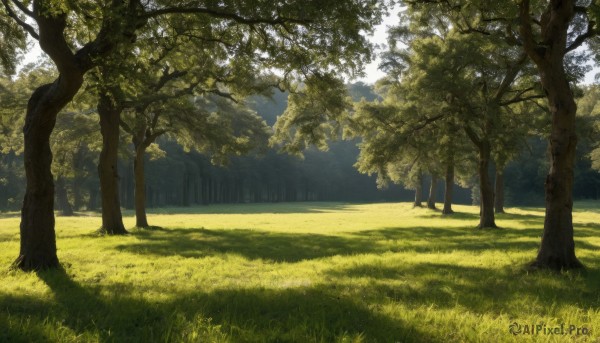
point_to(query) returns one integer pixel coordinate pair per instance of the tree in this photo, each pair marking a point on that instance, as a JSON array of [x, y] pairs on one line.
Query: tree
[[561, 30], [288, 34], [549, 32]]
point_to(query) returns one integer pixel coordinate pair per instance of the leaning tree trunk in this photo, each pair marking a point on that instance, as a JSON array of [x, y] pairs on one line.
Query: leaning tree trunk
[[499, 199], [38, 239], [141, 220], [112, 221], [557, 250], [432, 192], [419, 192], [486, 218], [449, 187]]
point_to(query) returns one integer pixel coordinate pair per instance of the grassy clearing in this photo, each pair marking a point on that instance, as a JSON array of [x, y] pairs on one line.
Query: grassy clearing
[[310, 272]]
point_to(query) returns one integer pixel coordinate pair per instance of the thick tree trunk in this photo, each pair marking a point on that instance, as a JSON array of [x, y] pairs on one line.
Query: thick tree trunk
[[419, 192], [449, 187], [499, 199], [487, 218], [38, 239], [62, 197], [432, 192], [141, 220], [112, 221], [557, 250]]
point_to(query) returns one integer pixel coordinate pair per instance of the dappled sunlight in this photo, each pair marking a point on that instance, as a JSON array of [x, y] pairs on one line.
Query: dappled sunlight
[[383, 272]]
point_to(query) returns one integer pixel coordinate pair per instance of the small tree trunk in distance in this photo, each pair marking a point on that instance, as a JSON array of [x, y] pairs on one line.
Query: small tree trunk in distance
[[432, 192], [62, 197], [141, 220], [112, 221], [487, 218], [92, 201], [419, 192], [499, 200], [449, 187]]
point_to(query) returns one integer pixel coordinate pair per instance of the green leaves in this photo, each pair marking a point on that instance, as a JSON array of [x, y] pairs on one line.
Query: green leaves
[[315, 110]]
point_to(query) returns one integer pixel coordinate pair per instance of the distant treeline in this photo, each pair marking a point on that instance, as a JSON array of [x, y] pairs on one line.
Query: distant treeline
[[183, 178]]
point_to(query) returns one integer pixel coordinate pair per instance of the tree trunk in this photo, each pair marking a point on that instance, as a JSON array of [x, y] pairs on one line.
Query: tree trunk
[[92, 201], [557, 250], [449, 187], [499, 200], [487, 218], [112, 221], [38, 239], [419, 192], [432, 192], [62, 197], [141, 220]]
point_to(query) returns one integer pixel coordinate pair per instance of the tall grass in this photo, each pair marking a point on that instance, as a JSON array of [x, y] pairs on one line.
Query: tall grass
[[310, 272]]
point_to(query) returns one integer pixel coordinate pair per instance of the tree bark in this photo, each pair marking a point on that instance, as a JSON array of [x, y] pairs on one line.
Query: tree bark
[[432, 192], [499, 199], [112, 220], [419, 192], [557, 249], [487, 218], [38, 239], [62, 197], [449, 187], [141, 220]]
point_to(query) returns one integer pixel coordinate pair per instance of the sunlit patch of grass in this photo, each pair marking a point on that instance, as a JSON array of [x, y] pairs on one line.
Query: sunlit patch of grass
[[309, 272]]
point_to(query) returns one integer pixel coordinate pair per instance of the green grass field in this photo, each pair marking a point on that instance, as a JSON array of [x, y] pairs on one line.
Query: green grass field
[[308, 272]]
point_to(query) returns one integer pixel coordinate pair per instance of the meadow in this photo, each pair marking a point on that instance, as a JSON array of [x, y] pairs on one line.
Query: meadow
[[305, 272]]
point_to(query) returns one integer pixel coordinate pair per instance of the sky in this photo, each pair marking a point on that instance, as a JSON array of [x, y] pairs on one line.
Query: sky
[[372, 73]]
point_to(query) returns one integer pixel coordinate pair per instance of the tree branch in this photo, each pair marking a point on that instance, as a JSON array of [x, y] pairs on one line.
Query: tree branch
[[20, 22], [125, 126], [527, 32], [224, 15], [23, 8], [590, 32], [472, 135], [510, 76], [520, 99]]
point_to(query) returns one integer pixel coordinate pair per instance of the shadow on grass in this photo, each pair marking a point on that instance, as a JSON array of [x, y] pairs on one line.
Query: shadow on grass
[[291, 247], [480, 290], [257, 208], [253, 314]]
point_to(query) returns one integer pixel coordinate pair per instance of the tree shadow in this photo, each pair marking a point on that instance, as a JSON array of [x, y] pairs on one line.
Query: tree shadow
[[252, 244], [258, 208], [93, 312], [12, 309], [491, 291], [293, 247], [116, 314], [458, 216]]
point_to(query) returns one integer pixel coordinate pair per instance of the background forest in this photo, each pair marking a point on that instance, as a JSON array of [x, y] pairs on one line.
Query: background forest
[[177, 176]]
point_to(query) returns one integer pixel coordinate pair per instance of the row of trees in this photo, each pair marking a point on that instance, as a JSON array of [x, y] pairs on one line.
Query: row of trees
[[473, 73], [470, 81], [141, 58]]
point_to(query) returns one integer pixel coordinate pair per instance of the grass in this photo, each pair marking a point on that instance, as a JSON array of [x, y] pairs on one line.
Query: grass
[[308, 272]]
